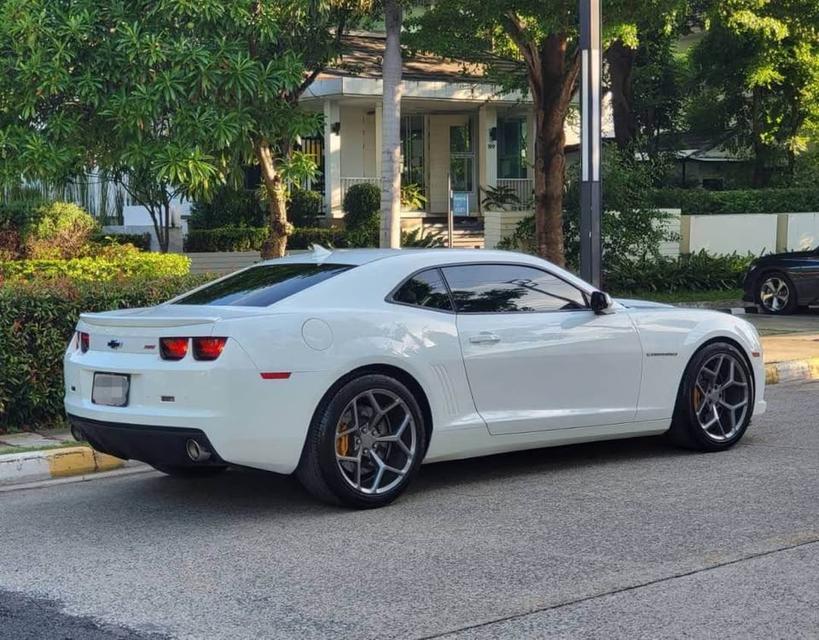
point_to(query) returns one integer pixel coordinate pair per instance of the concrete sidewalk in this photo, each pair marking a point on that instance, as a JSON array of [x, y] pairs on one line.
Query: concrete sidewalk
[[32, 457], [782, 348]]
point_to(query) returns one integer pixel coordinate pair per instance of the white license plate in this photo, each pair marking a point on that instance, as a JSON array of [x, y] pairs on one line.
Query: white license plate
[[111, 389]]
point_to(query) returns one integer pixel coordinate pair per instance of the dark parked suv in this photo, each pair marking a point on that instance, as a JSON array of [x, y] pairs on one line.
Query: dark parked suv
[[783, 282]]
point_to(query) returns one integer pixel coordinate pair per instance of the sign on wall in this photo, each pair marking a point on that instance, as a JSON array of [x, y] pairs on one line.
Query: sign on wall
[[460, 203]]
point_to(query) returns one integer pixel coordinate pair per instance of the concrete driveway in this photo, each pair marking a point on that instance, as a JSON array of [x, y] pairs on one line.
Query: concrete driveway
[[630, 539]]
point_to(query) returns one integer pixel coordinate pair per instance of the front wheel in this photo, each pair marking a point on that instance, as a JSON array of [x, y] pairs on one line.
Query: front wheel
[[715, 400], [365, 443], [776, 293]]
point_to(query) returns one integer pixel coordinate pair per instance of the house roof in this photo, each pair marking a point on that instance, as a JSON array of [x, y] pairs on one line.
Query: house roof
[[362, 54]]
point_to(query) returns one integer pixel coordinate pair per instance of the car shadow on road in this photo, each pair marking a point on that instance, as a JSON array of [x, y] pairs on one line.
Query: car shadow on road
[[251, 492]]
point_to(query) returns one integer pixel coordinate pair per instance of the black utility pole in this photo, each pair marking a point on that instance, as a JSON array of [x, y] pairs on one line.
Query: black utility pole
[[590, 145]]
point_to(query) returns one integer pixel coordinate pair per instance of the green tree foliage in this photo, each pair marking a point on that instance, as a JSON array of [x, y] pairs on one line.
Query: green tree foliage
[[633, 227], [758, 74], [530, 45], [167, 97]]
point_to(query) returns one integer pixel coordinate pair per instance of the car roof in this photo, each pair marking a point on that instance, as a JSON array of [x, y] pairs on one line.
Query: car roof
[[357, 257]]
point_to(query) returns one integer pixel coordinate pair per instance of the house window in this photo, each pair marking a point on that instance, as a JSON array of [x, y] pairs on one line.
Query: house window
[[511, 141], [412, 150], [314, 147]]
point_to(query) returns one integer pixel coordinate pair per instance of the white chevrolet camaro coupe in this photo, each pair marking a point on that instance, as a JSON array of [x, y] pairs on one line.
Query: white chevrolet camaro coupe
[[351, 368]]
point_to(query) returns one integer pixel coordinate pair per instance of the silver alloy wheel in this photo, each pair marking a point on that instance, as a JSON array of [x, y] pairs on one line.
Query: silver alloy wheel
[[774, 294], [721, 396], [376, 441]]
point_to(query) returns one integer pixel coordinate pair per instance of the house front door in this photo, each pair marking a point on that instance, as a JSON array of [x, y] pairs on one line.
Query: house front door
[[452, 155]]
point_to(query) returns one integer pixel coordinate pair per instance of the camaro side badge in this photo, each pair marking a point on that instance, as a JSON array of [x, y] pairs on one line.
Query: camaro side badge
[[657, 354], [114, 344]]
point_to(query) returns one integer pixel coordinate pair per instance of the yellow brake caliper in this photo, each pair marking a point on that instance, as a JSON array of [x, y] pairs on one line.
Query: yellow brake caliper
[[343, 443]]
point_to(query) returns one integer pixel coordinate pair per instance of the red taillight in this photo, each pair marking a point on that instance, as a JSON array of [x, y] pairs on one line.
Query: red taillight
[[173, 348], [208, 348], [83, 340]]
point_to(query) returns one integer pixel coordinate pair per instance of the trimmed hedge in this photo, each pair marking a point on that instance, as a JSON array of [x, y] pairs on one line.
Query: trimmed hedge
[[225, 239], [703, 202], [252, 238], [37, 320], [112, 263], [693, 272], [141, 241], [362, 204]]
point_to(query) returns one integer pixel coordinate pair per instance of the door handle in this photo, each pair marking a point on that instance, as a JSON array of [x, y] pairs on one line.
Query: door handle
[[484, 337]]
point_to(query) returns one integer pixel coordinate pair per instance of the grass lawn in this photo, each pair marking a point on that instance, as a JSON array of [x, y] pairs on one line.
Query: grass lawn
[[721, 295]]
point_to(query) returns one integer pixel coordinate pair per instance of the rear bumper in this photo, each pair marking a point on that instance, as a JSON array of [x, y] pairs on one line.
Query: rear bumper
[[150, 444]]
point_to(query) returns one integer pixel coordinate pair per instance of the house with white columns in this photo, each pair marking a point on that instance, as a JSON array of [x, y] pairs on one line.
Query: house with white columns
[[459, 133]]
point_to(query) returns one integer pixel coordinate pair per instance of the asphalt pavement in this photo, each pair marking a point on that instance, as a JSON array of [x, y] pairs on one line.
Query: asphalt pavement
[[626, 539]]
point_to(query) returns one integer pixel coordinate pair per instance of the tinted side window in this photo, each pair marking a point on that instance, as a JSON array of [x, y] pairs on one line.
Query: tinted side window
[[425, 289], [487, 288], [263, 285]]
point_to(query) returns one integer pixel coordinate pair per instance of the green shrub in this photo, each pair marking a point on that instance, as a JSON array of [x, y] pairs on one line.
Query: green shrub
[[141, 241], [304, 208], [362, 205], [62, 231], [19, 214], [110, 263], [694, 272], [252, 238], [226, 239], [329, 237], [702, 202], [229, 207], [37, 320]]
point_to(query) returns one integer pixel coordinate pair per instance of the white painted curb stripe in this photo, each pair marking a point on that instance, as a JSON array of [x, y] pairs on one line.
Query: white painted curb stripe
[[30, 466]]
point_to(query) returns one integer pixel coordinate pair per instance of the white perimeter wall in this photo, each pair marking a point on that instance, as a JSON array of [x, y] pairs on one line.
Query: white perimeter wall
[[729, 233], [798, 231]]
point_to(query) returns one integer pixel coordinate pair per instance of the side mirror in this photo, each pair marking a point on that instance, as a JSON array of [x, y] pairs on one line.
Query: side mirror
[[601, 302]]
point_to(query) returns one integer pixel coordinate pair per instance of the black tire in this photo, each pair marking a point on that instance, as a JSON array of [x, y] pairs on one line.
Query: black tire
[[789, 307], [188, 471], [319, 471], [686, 430]]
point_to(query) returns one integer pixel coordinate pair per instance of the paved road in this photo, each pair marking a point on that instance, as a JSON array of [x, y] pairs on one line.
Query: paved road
[[615, 540], [803, 322]]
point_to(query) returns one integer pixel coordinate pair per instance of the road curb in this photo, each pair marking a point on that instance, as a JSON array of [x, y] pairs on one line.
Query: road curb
[[35, 466], [792, 370]]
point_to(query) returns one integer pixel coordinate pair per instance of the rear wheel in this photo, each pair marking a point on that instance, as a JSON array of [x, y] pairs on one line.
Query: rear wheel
[[179, 471], [776, 293], [365, 444], [715, 400]]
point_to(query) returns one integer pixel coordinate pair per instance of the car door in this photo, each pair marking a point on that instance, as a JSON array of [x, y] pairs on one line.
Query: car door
[[537, 357]]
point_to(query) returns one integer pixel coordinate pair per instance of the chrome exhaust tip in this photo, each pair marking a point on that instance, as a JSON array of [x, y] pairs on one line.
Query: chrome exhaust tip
[[196, 452]]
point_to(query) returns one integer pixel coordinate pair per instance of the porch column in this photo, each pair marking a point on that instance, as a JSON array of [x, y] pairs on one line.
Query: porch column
[[379, 115], [487, 148], [530, 145], [332, 160]]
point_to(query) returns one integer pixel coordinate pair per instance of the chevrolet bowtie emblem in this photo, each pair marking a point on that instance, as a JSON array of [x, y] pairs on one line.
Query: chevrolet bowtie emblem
[[114, 344]]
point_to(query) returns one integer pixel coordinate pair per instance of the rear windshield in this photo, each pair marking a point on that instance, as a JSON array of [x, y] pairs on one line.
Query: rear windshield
[[263, 285]]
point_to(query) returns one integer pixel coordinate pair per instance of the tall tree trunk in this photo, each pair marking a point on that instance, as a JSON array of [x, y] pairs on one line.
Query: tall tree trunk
[[390, 235], [552, 90], [621, 64], [276, 241]]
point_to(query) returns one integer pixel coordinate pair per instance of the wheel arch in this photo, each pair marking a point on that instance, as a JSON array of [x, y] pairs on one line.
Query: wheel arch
[[734, 343], [402, 375]]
